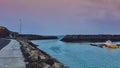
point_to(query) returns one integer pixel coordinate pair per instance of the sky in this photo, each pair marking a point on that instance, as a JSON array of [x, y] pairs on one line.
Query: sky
[[58, 17]]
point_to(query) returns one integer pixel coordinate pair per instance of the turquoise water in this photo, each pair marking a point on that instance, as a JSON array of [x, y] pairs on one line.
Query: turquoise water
[[81, 55]]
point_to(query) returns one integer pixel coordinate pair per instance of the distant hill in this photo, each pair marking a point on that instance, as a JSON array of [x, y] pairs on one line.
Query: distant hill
[[4, 32]]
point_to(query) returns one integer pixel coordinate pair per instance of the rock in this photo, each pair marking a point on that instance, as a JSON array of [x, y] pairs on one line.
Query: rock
[[38, 57], [4, 32]]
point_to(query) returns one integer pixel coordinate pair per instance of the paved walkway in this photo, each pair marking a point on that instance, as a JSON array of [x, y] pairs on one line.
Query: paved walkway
[[11, 56]]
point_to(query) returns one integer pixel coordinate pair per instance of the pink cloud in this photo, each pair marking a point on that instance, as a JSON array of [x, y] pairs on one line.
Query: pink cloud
[[86, 9]]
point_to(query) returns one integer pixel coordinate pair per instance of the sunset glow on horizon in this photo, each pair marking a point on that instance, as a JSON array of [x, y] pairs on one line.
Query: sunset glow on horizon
[[61, 16]]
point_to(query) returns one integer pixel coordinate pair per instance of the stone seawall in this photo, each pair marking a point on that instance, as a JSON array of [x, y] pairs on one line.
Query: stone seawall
[[37, 58], [90, 38], [36, 37]]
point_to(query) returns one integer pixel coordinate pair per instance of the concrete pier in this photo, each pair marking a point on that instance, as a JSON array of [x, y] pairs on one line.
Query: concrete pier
[[22, 53], [11, 56]]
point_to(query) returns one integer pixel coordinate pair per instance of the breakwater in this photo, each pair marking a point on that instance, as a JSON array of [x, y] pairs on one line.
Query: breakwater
[[90, 38], [37, 58], [5, 33], [36, 37], [34, 57]]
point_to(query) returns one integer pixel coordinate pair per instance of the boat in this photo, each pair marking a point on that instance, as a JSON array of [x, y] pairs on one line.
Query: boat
[[112, 46], [108, 44]]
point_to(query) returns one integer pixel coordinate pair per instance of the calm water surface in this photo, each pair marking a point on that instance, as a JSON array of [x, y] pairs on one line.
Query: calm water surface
[[81, 55]]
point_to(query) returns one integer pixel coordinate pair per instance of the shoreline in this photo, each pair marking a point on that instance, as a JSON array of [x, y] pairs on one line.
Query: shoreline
[[36, 57]]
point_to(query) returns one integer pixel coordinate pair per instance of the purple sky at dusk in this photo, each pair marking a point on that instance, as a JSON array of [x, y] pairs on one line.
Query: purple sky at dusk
[[51, 17]]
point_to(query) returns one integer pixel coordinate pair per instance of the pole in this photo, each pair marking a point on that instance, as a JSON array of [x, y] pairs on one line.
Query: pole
[[20, 25]]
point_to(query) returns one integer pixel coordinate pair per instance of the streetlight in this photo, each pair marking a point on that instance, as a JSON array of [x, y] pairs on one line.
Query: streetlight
[[20, 25]]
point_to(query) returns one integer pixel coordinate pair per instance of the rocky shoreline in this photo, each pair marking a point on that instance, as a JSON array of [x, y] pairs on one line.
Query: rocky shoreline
[[37, 58]]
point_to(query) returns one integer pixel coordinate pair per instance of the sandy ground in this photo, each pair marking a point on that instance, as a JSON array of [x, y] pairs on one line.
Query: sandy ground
[[11, 56]]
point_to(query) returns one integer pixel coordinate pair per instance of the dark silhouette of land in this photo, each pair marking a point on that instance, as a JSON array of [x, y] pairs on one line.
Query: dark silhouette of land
[[91, 38]]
